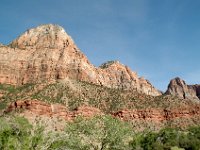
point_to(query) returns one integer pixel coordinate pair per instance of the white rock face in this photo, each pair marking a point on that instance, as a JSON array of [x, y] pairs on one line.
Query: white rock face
[[44, 36]]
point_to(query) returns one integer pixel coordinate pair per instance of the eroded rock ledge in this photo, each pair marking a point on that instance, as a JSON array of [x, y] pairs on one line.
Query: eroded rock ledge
[[58, 110]]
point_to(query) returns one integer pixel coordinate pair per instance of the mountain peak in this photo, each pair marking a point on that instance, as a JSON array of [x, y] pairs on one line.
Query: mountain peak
[[178, 81], [178, 87], [47, 53], [43, 36]]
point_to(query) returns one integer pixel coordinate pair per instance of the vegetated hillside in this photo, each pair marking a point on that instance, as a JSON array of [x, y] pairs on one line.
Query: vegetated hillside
[[143, 111], [76, 93]]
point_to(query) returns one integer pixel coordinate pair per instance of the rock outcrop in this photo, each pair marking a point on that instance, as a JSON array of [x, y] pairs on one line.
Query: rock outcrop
[[158, 114], [196, 88], [116, 75], [57, 110], [47, 53], [52, 110], [178, 87]]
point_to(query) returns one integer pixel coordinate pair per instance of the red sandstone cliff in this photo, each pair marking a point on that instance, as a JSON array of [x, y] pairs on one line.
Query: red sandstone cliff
[[50, 110], [48, 53], [58, 110]]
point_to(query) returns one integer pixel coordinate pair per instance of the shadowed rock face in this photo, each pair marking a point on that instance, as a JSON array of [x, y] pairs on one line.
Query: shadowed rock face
[[48, 53], [179, 88], [197, 89]]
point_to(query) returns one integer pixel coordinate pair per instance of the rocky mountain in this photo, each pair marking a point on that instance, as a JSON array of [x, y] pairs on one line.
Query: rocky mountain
[[48, 54], [179, 88], [43, 74]]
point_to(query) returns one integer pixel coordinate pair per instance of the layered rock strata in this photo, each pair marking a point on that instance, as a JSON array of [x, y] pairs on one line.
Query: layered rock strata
[[52, 110], [58, 110], [157, 115], [47, 53]]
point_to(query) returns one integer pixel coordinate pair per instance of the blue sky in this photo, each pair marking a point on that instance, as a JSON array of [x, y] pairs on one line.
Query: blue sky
[[159, 39]]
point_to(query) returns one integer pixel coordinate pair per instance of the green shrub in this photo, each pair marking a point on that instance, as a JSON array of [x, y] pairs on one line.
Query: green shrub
[[97, 133], [100, 133], [168, 139]]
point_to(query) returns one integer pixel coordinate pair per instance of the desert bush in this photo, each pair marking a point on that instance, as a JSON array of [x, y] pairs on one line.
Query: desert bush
[[101, 133], [167, 139], [16, 134], [97, 133]]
